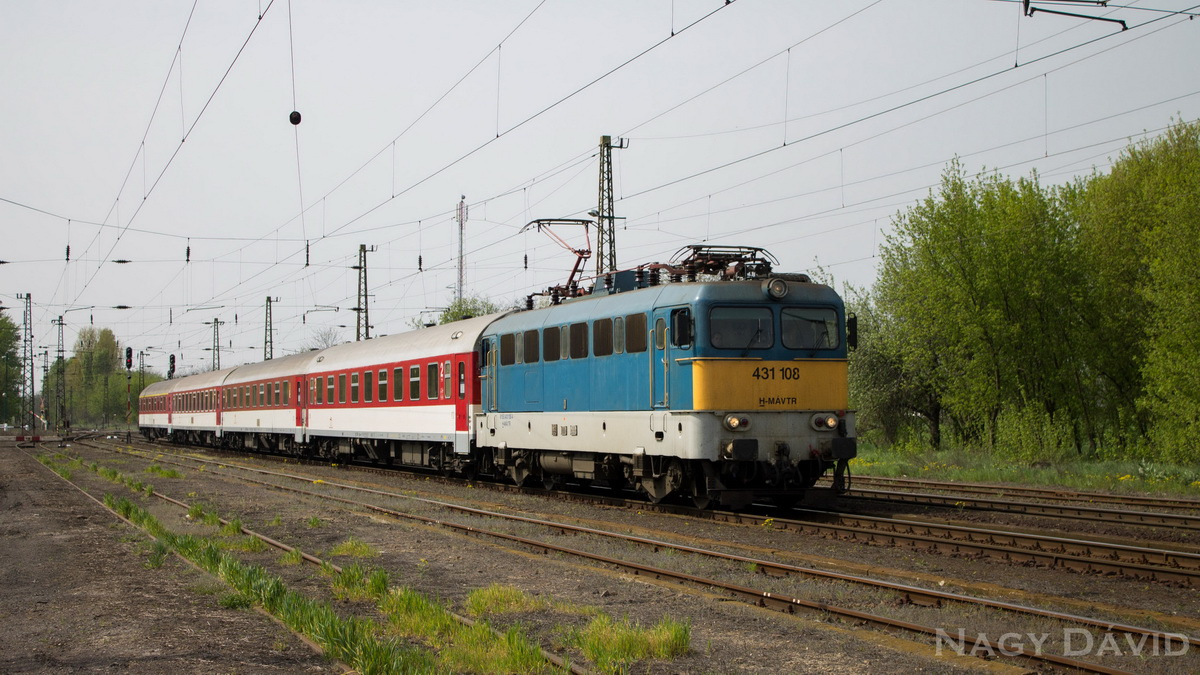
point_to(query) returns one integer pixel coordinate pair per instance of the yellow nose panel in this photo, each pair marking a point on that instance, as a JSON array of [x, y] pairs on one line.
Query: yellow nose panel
[[747, 384]]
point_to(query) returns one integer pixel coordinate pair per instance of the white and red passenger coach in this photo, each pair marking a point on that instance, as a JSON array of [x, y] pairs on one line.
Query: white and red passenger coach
[[407, 397]]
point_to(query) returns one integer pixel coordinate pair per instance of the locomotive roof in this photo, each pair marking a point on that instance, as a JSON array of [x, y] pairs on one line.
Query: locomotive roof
[[602, 305]]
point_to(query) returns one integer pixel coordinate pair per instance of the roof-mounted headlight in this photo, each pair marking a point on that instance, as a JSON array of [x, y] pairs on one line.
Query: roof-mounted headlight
[[776, 289]]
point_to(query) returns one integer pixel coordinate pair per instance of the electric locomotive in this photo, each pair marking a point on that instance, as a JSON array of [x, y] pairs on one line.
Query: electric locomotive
[[725, 391]]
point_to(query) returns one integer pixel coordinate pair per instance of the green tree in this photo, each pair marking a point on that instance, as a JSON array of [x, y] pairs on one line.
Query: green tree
[[1141, 225], [10, 370], [468, 307]]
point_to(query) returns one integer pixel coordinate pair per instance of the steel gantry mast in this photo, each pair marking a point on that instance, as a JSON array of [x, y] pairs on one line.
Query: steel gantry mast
[[268, 335], [606, 240], [27, 372], [362, 331]]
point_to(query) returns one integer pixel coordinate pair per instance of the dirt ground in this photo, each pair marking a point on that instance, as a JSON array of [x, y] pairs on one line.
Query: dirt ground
[[79, 597]]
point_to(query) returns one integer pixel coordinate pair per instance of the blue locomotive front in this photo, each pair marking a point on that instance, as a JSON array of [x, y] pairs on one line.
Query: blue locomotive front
[[725, 391]]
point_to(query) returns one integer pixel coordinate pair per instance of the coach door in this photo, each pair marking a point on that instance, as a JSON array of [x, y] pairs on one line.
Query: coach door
[[301, 393]]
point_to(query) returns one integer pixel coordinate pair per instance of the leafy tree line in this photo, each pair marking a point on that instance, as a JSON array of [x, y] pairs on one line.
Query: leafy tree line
[[10, 371], [1041, 321], [97, 392]]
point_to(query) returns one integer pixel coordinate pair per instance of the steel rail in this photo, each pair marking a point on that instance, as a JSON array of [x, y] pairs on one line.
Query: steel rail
[[1048, 494], [1090, 513]]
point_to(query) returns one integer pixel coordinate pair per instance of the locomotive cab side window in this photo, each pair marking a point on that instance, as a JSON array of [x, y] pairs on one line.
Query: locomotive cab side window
[[681, 328], [809, 328], [742, 327], [618, 337]]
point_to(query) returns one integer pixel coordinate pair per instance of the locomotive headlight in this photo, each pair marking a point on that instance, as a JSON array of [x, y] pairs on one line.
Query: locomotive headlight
[[776, 289], [737, 422], [824, 421]]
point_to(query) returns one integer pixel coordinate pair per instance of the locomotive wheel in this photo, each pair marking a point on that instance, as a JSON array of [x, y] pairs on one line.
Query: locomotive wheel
[[657, 488], [519, 472]]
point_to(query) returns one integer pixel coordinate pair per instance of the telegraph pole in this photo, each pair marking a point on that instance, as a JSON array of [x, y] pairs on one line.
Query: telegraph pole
[[606, 239], [362, 331], [461, 216]]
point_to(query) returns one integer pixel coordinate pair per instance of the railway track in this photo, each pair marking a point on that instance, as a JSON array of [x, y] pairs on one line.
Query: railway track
[[1043, 494], [1046, 549], [909, 594], [1180, 521]]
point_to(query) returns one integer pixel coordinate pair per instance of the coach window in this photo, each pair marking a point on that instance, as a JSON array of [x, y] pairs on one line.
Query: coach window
[[579, 340], [329, 387], [462, 380], [354, 387], [635, 333], [285, 393], [342, 388], [278, 397], [741, 327], [508, 349], [368, 386], [383, 386], [320, 397], [313, 388], [531, 347], [447, 389], [602, 337], [262, 396], [550, 344], [431, 381], [398, 384], [414, 383], [619, 335]]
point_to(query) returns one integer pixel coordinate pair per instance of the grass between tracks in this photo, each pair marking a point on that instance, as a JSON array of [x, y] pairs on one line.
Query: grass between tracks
[[1126, 477], [416, 634]]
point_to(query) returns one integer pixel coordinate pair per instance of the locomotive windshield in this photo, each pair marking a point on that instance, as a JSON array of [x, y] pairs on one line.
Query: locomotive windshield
[[809, 328], [742, 327]]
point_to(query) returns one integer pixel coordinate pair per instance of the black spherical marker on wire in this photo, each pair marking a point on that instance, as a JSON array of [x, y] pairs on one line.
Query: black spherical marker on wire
[[294, 118]]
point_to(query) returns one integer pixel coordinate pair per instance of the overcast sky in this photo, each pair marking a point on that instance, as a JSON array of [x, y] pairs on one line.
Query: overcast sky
[[135, 130]]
